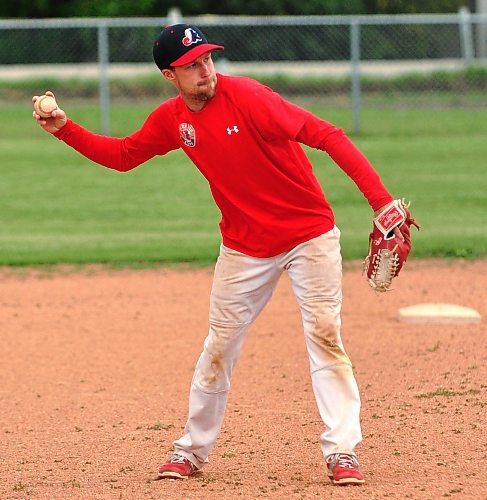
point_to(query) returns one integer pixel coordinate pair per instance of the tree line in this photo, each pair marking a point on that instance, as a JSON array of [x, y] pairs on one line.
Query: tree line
[[129, 8]]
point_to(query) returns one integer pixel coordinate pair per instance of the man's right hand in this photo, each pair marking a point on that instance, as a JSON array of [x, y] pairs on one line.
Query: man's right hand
[[55, 122]]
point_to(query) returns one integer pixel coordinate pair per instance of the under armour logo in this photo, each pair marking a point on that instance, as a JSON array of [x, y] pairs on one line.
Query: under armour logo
[[234, 129]]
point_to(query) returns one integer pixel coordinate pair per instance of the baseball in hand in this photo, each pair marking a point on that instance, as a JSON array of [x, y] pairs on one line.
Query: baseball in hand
[[45, 105]]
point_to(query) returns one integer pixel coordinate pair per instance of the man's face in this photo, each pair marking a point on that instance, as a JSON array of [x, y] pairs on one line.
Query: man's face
[[195, 81]]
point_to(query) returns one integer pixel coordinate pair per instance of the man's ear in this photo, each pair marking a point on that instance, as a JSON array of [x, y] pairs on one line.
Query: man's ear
[[168, 74]]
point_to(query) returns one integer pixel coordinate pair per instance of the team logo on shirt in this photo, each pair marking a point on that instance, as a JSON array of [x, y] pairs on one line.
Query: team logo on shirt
[[187, 134], [190, 37]]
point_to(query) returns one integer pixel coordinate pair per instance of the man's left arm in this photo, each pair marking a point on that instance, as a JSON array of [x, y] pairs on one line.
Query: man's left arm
[[325, 136], [389, 241], [277, 118]]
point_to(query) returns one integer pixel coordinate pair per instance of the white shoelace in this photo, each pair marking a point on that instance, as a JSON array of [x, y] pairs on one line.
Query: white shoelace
[[177, 459], [345, 461]]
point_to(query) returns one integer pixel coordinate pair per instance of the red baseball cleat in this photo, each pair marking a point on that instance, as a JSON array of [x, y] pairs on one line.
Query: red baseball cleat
[[344, 469], [177, 467]]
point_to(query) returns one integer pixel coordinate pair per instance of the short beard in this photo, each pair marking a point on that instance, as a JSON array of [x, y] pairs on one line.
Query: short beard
[[202, 97], [207, 94]]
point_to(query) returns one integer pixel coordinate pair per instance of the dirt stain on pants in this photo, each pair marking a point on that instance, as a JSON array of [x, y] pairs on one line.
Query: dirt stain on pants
[[323, 338]]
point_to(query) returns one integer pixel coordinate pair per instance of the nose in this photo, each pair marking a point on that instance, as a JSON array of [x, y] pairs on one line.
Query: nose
[[205, 69]]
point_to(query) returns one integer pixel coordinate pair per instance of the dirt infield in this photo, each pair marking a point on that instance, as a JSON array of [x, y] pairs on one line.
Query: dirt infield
[[95, 368]]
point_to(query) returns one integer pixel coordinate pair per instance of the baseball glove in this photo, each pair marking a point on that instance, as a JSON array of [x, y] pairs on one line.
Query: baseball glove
[[387, 252]]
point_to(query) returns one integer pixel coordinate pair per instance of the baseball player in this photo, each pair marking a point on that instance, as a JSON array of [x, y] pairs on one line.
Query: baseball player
[[245, 139]]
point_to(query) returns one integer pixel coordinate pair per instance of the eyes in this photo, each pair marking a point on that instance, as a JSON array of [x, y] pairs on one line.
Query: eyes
[[196, 64]]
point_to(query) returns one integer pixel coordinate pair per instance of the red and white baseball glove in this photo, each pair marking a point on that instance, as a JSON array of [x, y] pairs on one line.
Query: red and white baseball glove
[[387, 252]]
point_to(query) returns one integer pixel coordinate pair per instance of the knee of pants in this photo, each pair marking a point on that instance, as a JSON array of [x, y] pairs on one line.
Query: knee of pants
[[213, 372], [324, 341], [221, 351]]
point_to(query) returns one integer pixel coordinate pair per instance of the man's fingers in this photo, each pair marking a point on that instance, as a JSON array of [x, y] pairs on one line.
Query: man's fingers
[[398, 233]]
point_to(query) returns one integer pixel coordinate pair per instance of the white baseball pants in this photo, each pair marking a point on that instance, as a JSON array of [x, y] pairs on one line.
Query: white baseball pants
[[242, 286]]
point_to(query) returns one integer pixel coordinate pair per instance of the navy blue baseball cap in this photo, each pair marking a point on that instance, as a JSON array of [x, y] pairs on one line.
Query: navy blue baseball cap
[[180, 44]]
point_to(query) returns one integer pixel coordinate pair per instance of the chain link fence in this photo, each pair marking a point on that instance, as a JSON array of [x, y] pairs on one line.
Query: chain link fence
[[354, 61]]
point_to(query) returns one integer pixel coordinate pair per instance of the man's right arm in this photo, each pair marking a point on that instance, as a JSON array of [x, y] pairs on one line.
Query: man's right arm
[[120, 154], [111, 152]]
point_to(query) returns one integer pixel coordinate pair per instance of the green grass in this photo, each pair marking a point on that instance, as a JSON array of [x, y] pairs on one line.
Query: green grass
[[447, 393], [57, 207]]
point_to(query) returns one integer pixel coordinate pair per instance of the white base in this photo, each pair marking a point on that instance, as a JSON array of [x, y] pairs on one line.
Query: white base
[[435, 313]]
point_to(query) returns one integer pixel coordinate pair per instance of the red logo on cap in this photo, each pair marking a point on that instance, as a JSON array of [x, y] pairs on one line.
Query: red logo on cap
[[190, 37]]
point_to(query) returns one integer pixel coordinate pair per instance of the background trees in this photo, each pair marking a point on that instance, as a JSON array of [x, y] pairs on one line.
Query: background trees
[[128, 8]]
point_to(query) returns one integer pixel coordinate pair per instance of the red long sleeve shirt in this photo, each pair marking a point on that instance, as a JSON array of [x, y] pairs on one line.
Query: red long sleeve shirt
[[245, 141]]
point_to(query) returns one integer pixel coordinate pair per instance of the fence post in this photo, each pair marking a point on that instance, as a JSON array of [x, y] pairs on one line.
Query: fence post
[[174, 15], [103, 62], [481, 30], [355, 61], [466, 38]]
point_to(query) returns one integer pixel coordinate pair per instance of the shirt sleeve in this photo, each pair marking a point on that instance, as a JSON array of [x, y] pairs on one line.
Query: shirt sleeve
[[322, 135], [122, 154], [274, 117]]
